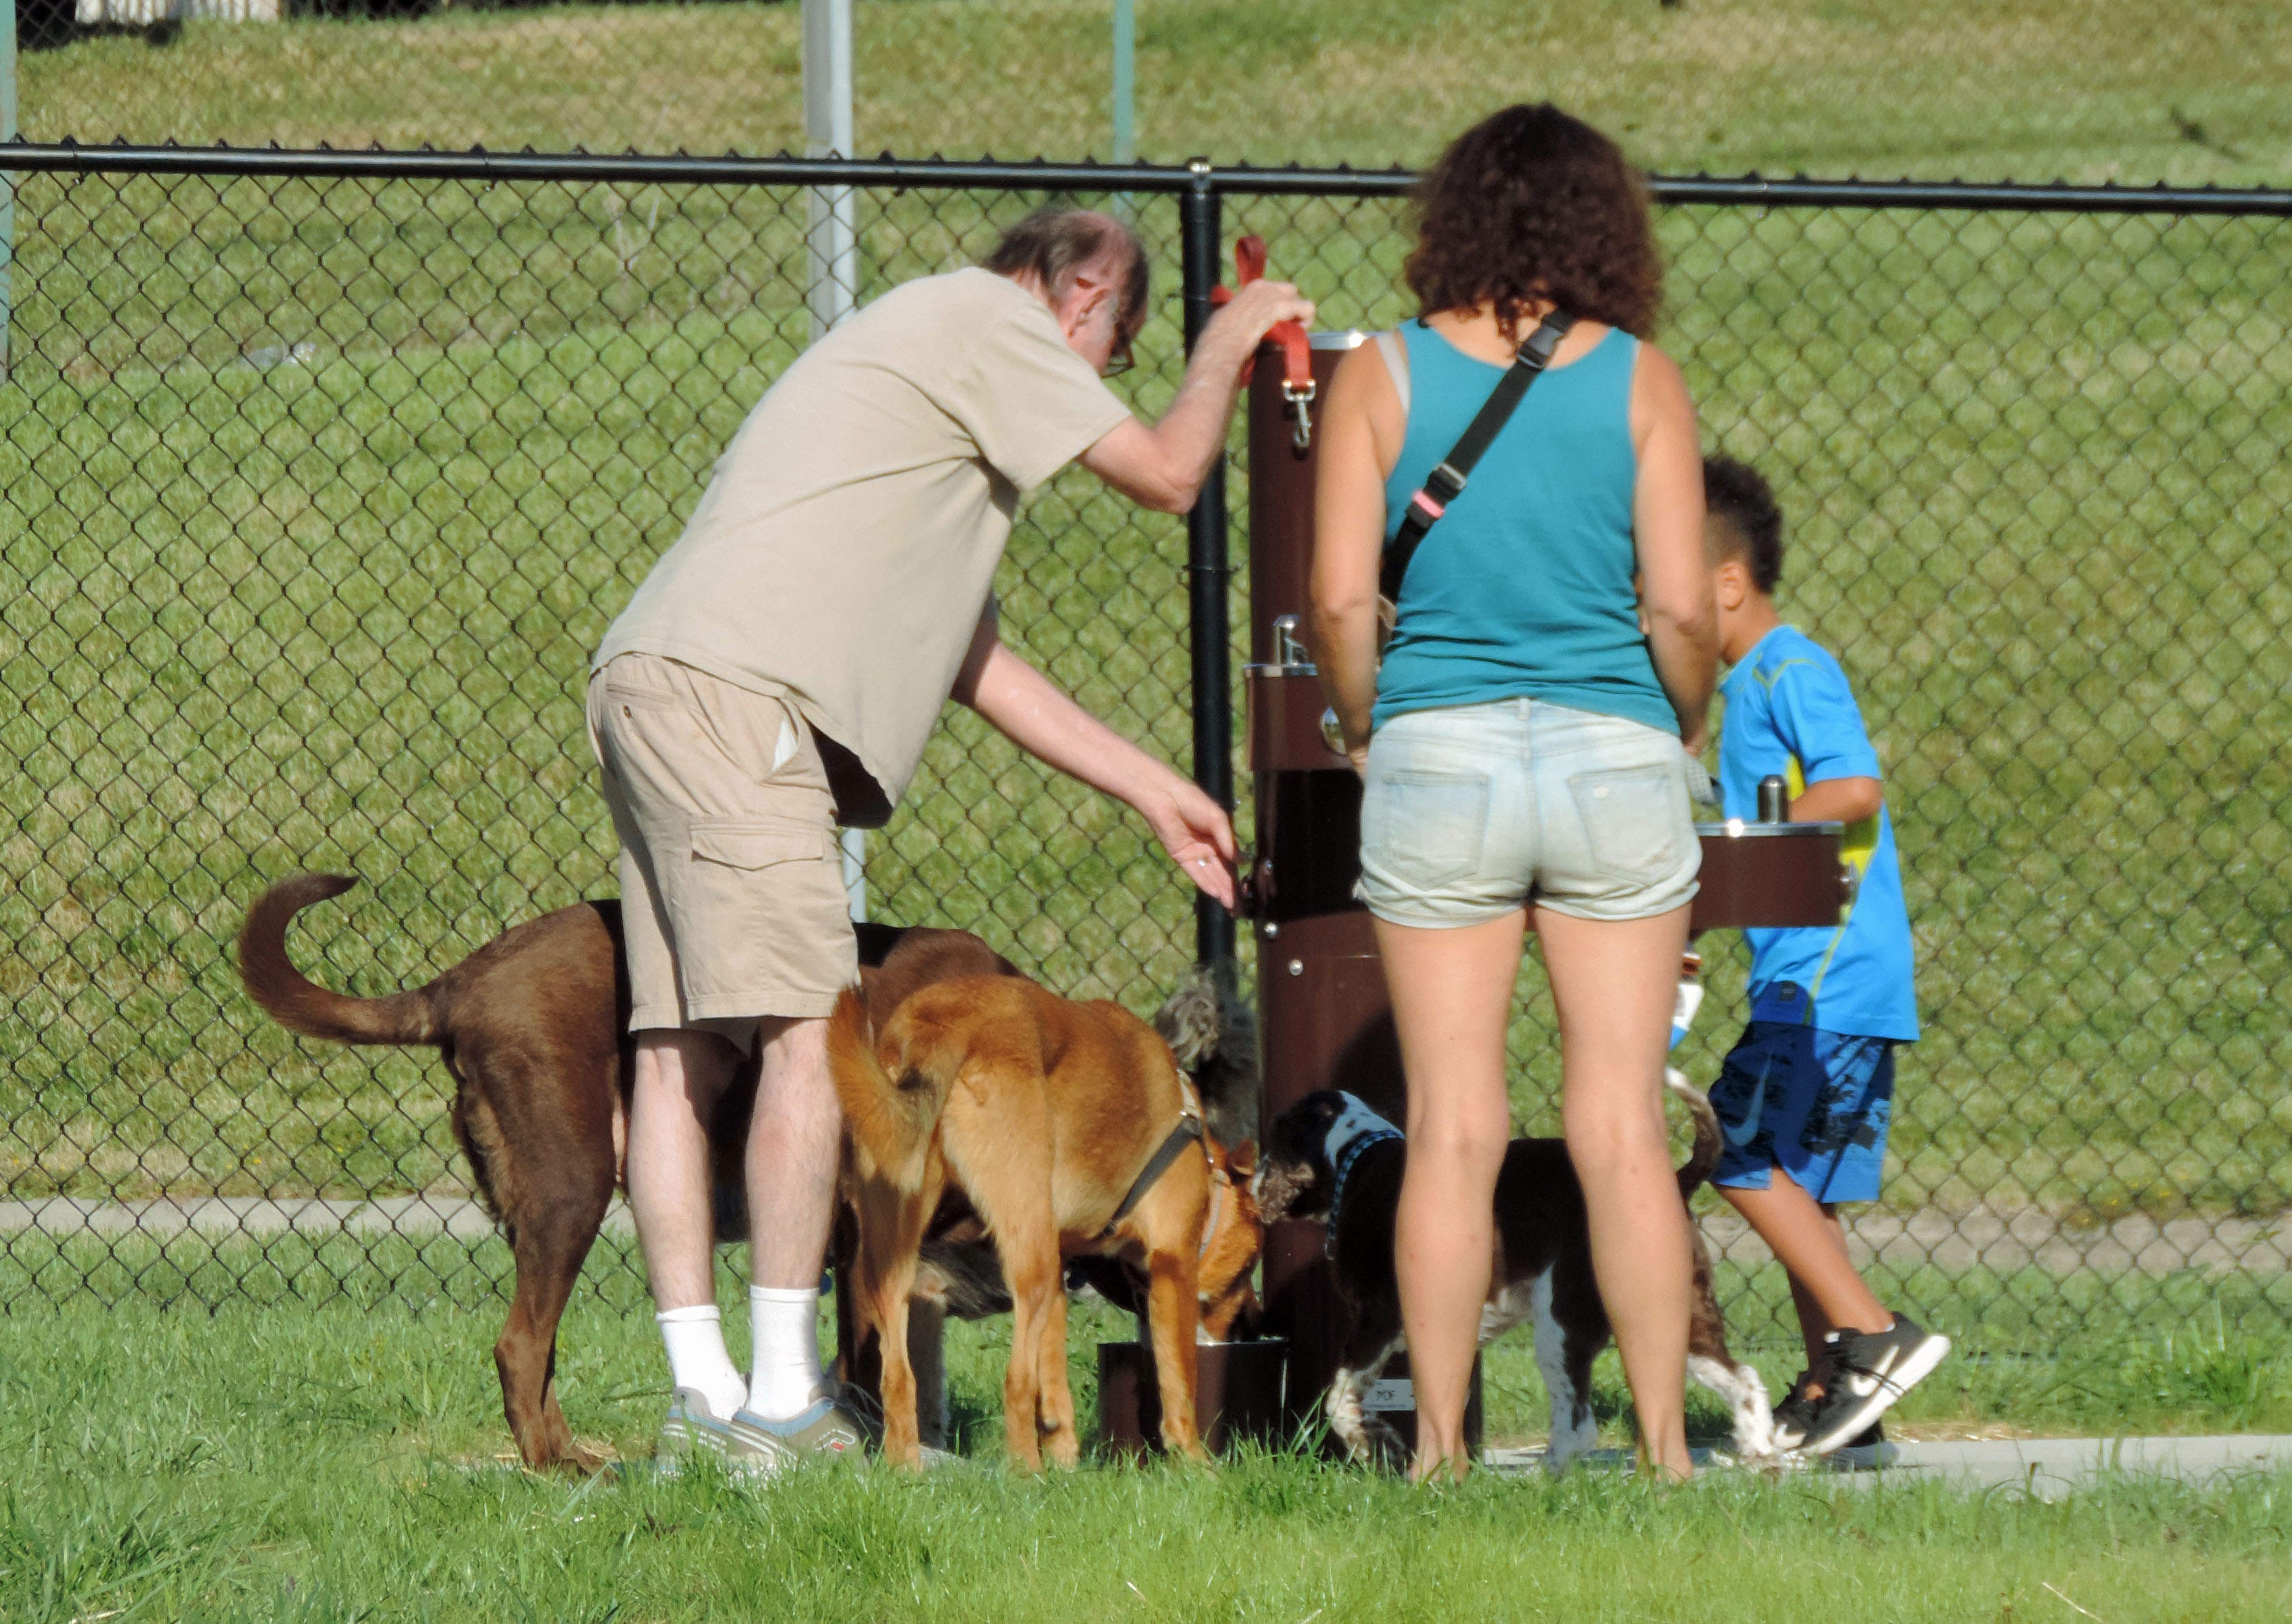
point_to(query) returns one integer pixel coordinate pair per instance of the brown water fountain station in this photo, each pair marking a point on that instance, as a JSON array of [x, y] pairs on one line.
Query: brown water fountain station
[[1324, 1017]]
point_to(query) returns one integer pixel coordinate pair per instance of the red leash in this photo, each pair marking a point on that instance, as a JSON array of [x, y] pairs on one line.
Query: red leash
[[1297, 385]]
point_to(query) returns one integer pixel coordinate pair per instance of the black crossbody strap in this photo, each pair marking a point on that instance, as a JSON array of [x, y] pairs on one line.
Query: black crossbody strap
[[1446, 482]]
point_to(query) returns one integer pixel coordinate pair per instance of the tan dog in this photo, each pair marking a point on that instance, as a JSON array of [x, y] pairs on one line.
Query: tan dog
[[1046, 1114]]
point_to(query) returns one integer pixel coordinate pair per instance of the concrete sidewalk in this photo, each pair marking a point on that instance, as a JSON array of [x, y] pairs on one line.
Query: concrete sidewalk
[[2045, 1469], [218, 1217], [1985, 1237], [2051, 1468]]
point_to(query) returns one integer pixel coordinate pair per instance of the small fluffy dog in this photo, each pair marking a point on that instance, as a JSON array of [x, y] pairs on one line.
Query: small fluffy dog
[[1069, 1130], [1331, 1157]]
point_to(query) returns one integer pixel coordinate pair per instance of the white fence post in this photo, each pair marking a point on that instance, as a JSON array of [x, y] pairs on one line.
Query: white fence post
[[833, 278], [7, 180]]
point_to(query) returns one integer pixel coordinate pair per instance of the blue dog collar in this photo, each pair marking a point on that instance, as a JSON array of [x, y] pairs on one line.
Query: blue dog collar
[[1356, 1128]]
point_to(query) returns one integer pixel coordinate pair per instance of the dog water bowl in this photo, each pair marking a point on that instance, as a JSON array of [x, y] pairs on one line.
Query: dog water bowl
[[1239, 1394]]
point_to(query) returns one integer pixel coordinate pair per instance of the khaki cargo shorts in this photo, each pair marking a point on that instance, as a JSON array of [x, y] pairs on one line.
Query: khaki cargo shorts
[[732, 899]]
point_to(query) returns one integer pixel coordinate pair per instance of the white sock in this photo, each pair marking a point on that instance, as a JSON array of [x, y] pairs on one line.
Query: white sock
[[784, 1328], [697, 1358]]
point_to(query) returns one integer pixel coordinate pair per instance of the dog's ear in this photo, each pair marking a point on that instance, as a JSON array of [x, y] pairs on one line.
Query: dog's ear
[[1242, 1160]]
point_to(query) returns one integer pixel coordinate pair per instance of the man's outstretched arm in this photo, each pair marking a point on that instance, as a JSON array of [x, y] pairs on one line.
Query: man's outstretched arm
[[1163, 467], [1027, 708]]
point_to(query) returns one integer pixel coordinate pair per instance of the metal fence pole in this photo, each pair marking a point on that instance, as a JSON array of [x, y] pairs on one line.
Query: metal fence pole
[[1207, 574], [833, 278], [7, 180], [1126, 79]]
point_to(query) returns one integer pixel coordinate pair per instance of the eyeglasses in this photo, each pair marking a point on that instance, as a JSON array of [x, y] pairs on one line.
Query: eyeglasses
[[1120, 360]]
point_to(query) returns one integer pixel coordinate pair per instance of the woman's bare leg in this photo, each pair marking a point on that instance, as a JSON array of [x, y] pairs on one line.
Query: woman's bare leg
[[1614, 982], [1451, 1001]]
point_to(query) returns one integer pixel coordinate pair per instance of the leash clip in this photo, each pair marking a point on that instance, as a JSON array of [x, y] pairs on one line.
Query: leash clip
[[1299, 396]]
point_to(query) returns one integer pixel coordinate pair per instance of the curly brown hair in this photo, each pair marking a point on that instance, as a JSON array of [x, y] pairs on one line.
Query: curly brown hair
[[1531, 203]]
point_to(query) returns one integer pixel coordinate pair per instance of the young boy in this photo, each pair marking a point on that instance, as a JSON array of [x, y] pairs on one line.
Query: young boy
[[1804, 1098]]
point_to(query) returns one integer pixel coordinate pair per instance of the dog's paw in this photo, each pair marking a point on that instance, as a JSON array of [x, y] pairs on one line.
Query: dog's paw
[[1385, 1449]]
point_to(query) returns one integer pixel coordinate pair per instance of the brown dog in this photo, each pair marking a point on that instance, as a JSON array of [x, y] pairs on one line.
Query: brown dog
[[533, 1027], [1049, 1116]]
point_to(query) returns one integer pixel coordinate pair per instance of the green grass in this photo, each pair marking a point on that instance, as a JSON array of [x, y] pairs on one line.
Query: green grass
[[2029, 89], [290, 1462], [2082, 1355]]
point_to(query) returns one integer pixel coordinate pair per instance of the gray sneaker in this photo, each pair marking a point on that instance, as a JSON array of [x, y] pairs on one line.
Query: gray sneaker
[[827, 1431], [1869, 1372], [692, 1429]]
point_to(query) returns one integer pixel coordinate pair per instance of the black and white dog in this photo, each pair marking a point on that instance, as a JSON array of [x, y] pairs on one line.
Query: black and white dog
[[1330, 1157]]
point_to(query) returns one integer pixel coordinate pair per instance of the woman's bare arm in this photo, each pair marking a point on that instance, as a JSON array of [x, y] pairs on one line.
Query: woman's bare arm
[[1683, 621], [1362, 427]]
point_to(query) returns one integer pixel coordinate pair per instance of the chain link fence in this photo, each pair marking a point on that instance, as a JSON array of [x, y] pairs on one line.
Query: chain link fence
[[320, 477]]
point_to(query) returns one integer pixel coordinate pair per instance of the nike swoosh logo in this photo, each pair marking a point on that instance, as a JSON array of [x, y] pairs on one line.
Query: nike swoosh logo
[[1750, 1127]]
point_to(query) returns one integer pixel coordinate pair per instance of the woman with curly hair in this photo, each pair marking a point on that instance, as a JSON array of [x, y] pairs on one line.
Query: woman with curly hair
[[1521, 744]]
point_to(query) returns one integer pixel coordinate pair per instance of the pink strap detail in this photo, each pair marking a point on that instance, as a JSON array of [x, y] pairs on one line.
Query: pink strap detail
[[1424, 500]]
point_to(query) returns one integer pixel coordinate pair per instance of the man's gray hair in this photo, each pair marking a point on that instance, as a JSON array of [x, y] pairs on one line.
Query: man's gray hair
[[1053, 243]]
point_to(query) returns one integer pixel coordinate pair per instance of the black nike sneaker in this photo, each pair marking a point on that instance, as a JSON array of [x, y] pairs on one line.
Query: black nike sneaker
[[1869, 1372]]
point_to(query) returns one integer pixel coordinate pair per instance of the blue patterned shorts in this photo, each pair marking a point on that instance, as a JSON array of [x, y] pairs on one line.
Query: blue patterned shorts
[[1814, 1103]]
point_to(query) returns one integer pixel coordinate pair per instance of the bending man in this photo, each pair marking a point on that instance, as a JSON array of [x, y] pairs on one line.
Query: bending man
[[778, 674]]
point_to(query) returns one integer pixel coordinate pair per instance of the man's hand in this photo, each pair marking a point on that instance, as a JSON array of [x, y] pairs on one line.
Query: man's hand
[[1242, 322], [1197, 834]]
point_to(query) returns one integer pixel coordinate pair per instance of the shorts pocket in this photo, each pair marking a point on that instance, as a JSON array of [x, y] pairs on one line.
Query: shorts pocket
[[1427, 828], [1634, 818], [626, 690], [752, 843]]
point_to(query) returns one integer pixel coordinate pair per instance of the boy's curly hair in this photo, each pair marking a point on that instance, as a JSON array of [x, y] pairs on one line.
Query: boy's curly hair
[[1532, 204], [1743, 521]]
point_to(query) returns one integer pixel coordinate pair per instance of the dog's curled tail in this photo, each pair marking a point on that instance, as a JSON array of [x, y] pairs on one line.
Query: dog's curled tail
[[300, 1005], [1705, 1156], [890, 1118]]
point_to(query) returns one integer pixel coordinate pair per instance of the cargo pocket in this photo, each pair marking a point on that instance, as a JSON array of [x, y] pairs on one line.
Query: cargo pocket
[[1426, 828], [1634, 818], [759, 911], [753, 842]]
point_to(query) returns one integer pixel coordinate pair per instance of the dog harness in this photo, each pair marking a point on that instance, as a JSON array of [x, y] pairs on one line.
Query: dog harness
[[1356, 1128], [1188, 1131]]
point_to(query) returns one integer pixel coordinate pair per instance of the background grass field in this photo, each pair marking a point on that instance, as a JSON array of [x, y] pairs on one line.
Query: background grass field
[[2023, 89]]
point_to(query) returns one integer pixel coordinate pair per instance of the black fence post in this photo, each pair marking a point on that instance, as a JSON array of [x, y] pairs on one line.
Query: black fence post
[[1207, 575]]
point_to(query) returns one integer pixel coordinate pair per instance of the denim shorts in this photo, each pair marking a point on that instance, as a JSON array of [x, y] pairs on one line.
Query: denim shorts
[[1816, 1104], [1473, 812]]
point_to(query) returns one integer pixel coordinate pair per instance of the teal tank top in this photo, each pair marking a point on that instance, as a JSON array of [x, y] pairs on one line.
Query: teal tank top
[[1524, 587]]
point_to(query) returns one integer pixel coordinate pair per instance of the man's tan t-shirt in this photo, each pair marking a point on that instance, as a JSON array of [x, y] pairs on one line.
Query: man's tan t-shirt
[[846, 548]]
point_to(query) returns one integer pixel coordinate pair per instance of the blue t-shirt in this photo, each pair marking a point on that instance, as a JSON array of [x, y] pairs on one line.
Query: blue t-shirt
[[1789, 711]]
